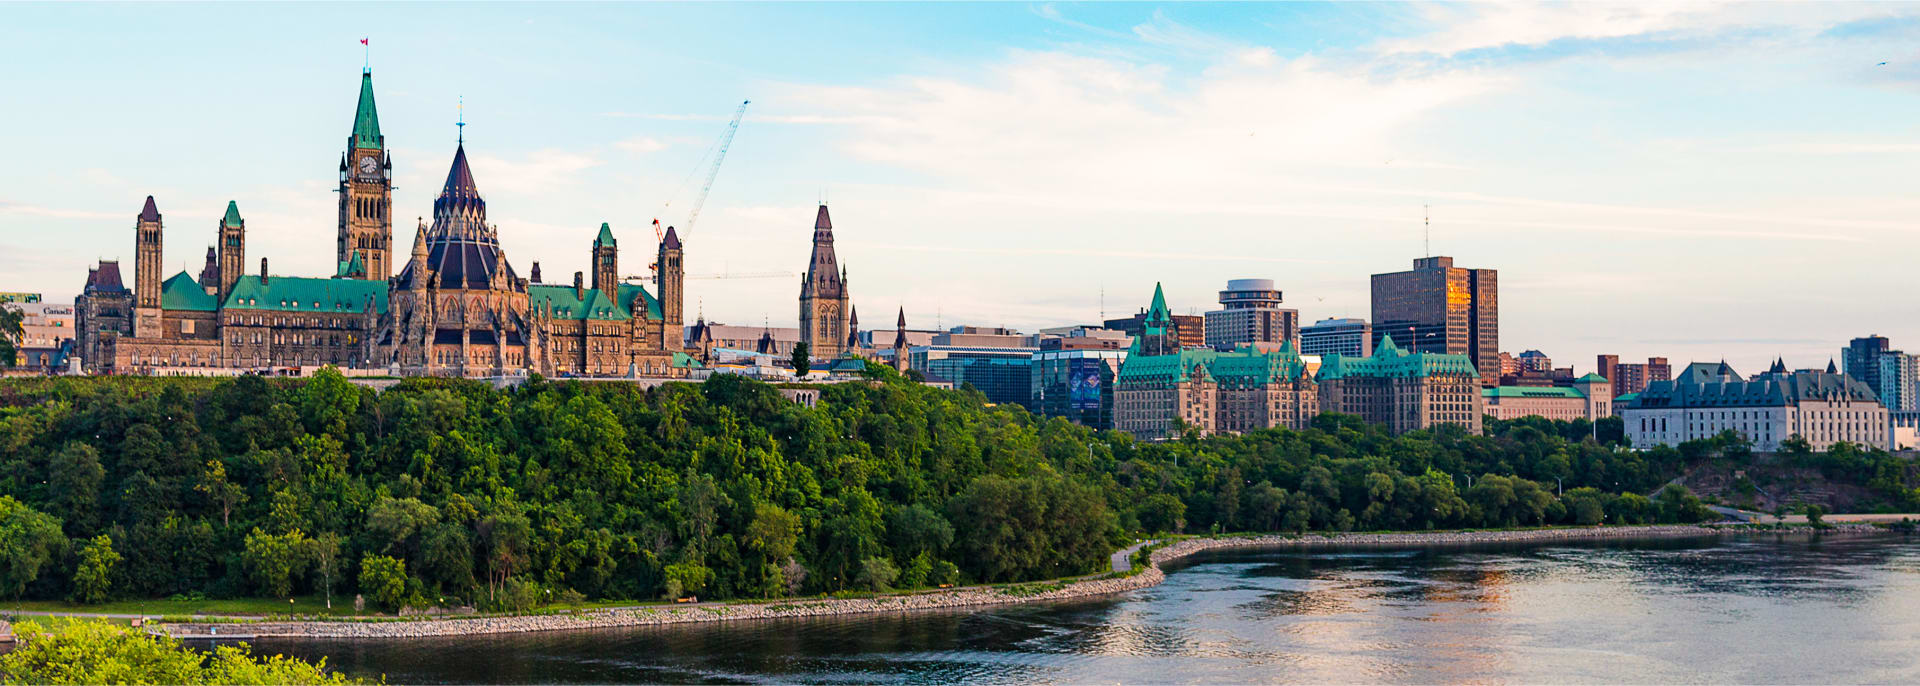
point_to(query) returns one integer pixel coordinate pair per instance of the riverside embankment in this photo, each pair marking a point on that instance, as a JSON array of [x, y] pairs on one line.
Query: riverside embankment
[[951, 599]]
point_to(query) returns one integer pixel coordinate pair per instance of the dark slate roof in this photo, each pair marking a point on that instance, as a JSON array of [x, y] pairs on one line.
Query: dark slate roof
[[105, 278], [461, 249], [149, 213], [671, 241], [1703, 372], [460, 192], [1765, 390]]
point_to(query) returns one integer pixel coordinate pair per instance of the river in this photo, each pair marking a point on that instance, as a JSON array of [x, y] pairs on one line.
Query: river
[[1738, 610]]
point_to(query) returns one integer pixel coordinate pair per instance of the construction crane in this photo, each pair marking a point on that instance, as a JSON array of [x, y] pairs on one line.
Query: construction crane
[[721, 275], [713, 172]]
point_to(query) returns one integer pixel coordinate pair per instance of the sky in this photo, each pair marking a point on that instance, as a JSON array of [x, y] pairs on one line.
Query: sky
[[1698, 181]]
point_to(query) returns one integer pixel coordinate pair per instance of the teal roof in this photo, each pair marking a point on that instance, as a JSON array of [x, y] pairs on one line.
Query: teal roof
[[182, 293], [1625, 399], [350, 267], [1157, 312], [366, 121], [1591, 378], [233, 215], [1243, 367], [562, 303], [685, 361], [1532, 392], [301, 294], [1389, 360], [605, 237]]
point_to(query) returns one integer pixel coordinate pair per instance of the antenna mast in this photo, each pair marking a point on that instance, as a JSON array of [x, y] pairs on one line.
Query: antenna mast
[[1426, 221]]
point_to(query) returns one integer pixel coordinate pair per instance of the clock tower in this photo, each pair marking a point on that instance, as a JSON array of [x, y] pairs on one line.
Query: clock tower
[[366, 192]]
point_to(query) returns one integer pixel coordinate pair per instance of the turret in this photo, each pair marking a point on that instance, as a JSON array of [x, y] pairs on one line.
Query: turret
[[233, 249], [606, 262], [671, 279]]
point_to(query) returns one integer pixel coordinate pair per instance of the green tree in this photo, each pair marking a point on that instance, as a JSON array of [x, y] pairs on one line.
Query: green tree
[[1162, 512], [1816, 515], [28, 540], [273, 561], [384, 581], [687, 578], [223, 493], [877, 574], [773, 532], [73, 486], [12, 331], [101, 653], [324, 551], [93, 580], [395, 521], [802, 358]]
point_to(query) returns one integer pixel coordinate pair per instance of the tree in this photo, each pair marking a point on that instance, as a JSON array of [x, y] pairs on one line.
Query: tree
[[773, 532], [11, 333], [802, 358], [28, 540], [1816, 516], [324, 551], [395, 521], [102, 653], [877, 574], [273, 561], [384, 581], [93, 580], [223, 493], [73, 486], [507, 536], [1162, 512]]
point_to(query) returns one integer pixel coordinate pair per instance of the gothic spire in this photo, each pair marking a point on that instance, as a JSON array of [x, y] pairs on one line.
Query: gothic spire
[[366, 121], [233, 215], [149, 213]]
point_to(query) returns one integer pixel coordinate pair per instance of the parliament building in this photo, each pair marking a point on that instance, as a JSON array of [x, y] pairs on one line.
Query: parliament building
[[453, 306]]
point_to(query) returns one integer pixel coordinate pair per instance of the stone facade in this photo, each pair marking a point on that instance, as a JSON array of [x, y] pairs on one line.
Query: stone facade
[[1211, 391], [1823, 408], [1406, 391], [825, 315], [1590, 398], [456, 308]]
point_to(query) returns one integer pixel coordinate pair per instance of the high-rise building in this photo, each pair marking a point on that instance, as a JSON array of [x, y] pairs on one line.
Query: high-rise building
[[1861, 358], [1250, 312], [1631, 377], [1073, 377], [1351, 337], [1897, 381], [824, 300], [1439, 308]]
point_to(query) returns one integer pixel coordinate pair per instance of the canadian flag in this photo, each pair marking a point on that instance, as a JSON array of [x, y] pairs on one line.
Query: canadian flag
[[363, 41]]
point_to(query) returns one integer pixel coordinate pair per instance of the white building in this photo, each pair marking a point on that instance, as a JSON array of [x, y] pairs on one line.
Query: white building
[[1250, 312], [1349, 337], [1823, 408]]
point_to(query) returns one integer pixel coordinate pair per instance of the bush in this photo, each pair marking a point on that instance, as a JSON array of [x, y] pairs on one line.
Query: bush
[[877, 574], [101, 653], [384, 581], [93, 581]]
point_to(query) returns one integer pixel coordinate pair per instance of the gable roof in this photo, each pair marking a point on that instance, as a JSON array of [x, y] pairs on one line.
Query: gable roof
[[303, 294], [1389, 361], [562, 303], [105, 278], [181, 292]]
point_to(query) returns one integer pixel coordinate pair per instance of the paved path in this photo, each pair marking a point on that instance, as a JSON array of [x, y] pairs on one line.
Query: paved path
[[1123, 560]]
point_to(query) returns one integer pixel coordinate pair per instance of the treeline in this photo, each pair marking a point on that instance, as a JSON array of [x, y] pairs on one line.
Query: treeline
[[442, 491]]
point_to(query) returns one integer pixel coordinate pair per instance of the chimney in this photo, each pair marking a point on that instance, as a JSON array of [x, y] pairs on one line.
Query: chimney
[[263, 271], [536, 272], [580, 285]]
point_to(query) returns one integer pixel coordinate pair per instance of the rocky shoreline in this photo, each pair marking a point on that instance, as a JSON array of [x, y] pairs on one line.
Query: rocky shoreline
[[959, 598]]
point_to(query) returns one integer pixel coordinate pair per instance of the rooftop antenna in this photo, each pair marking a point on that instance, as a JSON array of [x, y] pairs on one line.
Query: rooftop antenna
[[1103, 303], [1426, 221], [463, 120]]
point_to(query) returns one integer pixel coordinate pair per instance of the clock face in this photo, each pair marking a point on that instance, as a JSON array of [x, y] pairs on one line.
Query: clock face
[[368, 164]]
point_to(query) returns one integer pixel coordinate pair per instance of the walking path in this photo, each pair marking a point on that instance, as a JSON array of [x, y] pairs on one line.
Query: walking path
[[1123, 560]]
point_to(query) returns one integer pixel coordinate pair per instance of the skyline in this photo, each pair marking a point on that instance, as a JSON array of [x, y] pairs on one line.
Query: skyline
[[1024, 159]]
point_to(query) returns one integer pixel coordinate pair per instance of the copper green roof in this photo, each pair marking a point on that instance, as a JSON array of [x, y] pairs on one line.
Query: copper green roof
[[1591, 378], [182, 293], [563, 304], [1532, 392], [352, 266], [366, 121], [233, 215], [1243, 367], [605, 237], [685, 361], [1157, 312], [1389, 360], [301, 294]]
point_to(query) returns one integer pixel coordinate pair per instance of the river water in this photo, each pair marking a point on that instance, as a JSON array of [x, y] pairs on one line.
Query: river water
[[1742, 610]]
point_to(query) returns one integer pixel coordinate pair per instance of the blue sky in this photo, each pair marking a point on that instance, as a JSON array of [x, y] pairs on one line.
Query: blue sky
[[1689, 180]]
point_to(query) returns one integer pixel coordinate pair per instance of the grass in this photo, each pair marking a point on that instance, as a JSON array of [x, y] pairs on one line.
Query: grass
[[263, 607]]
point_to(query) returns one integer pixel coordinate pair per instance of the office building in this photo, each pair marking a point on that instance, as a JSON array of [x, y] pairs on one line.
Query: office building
[[1404, 390], [1250, 312], [1589, 397], [1439, 308], [1822, 407], [1632, 377], [1073, 377], [1349, 337]]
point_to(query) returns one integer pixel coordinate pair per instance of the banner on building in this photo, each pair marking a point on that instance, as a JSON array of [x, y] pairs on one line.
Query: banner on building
[[1083, 384]]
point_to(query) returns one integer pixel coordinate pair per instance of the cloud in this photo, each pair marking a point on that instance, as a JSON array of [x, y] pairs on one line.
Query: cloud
[[1464, 28], [540, 170], [7, 207], [641, 144]]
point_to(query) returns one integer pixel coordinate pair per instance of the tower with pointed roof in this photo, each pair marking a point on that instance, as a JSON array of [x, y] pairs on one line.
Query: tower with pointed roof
[[823, 294], [671, 277], [606, 261], [902, 354], [366, 191], [233, 250], [147, 253]]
